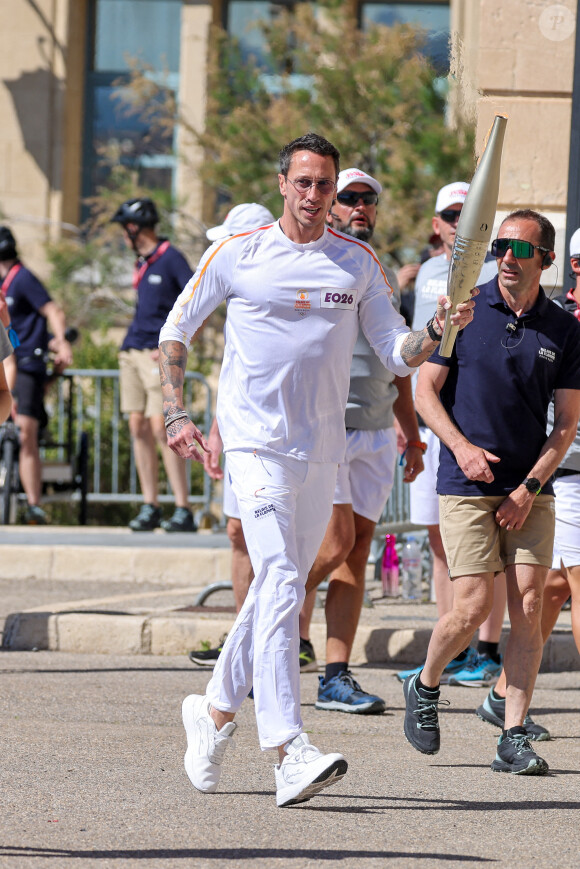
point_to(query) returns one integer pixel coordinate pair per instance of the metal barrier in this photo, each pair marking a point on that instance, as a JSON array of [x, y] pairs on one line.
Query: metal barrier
[[97, 411], [395, 518]]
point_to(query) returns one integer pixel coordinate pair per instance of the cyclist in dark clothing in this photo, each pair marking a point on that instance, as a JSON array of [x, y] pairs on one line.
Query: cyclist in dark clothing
[[32, 313]]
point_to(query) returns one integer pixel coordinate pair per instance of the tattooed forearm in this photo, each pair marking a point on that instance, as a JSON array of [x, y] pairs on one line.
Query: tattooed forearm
[[172, 361], [417, 347], [175, 427]]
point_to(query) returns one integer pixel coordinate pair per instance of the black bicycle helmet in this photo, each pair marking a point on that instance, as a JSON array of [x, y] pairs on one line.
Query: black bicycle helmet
[[7, 244], [139, 211]]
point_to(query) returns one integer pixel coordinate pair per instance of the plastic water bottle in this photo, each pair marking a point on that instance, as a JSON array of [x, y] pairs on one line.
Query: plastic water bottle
[[412, 570], [390, 568]]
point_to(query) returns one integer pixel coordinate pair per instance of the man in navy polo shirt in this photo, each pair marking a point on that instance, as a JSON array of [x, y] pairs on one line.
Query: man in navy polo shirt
[[32, 313], [488, 404], [161, 272]]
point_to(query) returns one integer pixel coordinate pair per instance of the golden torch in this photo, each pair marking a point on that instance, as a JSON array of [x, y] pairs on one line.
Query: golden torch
[[474, 229]]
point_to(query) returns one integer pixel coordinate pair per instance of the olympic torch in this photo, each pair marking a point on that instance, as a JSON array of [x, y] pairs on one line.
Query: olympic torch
[[474, 229]]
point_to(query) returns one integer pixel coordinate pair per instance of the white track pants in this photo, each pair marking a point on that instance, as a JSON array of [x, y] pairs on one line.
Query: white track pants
[[285, 506]]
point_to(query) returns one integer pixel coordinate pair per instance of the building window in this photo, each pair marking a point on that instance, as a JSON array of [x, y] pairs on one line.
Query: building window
[[243, 19], [432, 17], [120, 32]]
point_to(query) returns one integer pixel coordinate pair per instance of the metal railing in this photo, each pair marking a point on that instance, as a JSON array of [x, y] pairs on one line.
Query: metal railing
[[96, 408]]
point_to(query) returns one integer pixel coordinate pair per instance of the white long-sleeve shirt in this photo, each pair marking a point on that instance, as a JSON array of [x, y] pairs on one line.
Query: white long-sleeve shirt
[[293, 313]]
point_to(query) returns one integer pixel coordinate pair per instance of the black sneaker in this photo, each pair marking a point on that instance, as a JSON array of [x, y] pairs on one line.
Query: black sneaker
[[182, 520], [206, 657], [148, 518], [307, 657], [35, 515], [421, 719], [492, 710], [516, 755]]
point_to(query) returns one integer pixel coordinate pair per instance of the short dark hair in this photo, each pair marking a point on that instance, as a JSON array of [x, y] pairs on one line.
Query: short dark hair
[[7, 245], [310, 142], [547, 231]]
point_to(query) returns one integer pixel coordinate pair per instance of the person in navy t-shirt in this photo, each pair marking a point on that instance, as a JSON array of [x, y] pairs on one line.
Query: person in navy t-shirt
[[33, 314], [161, 272], [488, 403]]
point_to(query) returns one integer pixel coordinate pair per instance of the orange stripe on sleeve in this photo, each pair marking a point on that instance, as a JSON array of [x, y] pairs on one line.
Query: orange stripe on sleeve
[[370, 253], [225, 241]]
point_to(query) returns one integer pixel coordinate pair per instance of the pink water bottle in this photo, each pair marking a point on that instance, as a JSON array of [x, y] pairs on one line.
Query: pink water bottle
[[390, 568]]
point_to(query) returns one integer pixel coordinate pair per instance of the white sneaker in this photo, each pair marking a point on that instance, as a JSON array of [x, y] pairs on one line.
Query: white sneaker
[[305, 771], [206, 744]]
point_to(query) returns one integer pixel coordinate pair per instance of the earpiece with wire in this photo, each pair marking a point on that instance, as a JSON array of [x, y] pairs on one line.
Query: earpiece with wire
[[555, 280]]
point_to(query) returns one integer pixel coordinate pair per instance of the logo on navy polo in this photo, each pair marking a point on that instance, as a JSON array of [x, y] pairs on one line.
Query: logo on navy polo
[[263, 511], [546, 354], [155, 279]]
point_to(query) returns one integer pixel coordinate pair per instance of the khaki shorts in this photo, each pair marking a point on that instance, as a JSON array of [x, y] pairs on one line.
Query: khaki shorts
[[474, 543], [139, 383]]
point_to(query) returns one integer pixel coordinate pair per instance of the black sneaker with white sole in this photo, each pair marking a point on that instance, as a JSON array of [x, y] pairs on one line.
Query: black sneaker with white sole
[[148, 518], [307, 657], [516, 755], [421, 717], [492, 710], [207, 657], [182, 520]]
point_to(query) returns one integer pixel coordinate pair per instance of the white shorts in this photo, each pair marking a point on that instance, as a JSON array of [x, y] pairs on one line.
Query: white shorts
[[285, 506], [423, 491], [567, 537], [365, 478]]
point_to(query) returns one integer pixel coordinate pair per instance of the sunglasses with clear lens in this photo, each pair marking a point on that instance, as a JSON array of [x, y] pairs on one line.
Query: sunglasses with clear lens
[[520, 249], [303, 185], [351, 199], [449, 215]]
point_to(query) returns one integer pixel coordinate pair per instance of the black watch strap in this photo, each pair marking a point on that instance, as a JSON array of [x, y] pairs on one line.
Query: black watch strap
[[431, 331], [533, 485]]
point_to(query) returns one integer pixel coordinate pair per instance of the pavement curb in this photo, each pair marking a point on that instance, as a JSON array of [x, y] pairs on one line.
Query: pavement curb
[[151, 564], [169, 633]]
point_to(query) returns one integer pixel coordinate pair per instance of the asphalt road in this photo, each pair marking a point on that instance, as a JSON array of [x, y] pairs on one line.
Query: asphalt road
[[91, 752]]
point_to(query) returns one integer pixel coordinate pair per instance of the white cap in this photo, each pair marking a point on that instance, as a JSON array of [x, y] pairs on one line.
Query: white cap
[[451, 194], [352, 176], [575, 244], [248, 215]]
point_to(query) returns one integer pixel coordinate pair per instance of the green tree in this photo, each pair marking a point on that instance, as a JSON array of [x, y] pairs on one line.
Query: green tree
[[374, 94]]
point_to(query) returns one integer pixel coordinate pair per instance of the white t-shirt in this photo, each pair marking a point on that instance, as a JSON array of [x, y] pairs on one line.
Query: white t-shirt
[[293, 313], [431, 283]]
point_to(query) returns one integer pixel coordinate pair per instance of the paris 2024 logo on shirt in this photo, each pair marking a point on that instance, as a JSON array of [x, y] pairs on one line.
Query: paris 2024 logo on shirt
[[302, 303]]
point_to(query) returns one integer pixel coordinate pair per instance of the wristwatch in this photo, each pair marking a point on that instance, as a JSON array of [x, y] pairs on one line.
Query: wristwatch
[[533, 485], [435, 336]]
